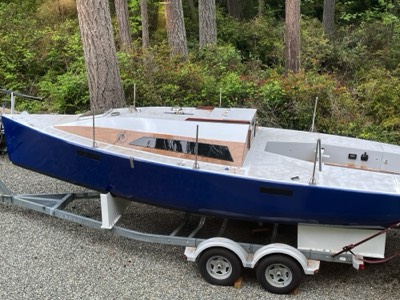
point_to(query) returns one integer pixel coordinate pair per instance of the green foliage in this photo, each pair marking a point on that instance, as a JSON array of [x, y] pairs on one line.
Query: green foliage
[[369, 10], [235, 90], [316, 48], [271, 101], [258, 38], [59, 10], [288, 101], [68, 92], [134, 17], [20, 56], [42, 60], [65, 83], [162, 81], [219, 59], [355, 75], [379, 91], [355, 48]]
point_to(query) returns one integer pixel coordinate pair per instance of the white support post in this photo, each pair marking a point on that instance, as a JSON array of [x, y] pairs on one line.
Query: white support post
[[112, 209]]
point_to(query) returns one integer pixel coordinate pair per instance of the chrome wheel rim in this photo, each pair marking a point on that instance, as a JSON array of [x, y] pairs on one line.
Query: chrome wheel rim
[[278, 275], [219, 267]]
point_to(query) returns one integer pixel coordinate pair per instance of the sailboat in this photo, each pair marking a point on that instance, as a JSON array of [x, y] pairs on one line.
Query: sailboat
[[214, 161]]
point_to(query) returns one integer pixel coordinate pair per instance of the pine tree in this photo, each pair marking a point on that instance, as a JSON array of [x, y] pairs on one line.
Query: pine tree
[[207, 23], [105, 86], [292, 35]]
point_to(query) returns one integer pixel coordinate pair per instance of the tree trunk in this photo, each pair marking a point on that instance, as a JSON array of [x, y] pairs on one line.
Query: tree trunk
[[207, 23], [103, 75], [234, 9], [328, 17], [145, 24], [292, 35], [176, 27], [124, 29]]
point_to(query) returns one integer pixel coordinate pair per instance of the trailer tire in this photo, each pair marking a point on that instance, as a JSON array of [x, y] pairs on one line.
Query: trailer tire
[[219, 266], [279, 274]]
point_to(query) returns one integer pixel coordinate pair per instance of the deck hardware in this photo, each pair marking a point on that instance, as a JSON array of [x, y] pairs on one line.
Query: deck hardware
[[364, 157], [318, 156], [177, 110], [196, 149], [132, 162], [121, 137], [352, 156], [94, 128]]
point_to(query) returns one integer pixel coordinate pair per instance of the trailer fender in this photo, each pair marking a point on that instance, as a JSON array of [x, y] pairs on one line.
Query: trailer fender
[[192, 253], [309, 267]]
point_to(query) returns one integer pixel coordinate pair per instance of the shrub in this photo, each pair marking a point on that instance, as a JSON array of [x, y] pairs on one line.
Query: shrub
[[379, 92], [288, 101], [316, 48]]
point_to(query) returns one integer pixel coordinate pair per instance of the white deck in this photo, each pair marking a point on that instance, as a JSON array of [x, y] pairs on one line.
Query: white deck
[[261, 163]]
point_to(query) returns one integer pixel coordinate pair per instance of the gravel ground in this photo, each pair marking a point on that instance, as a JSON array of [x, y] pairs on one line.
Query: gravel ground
[[42, 257]]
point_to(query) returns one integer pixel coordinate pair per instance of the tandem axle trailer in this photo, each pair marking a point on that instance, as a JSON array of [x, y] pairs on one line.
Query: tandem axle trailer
[[280, 267]]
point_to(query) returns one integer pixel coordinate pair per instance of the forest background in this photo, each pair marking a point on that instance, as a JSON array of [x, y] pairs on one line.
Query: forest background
[[355, 73]]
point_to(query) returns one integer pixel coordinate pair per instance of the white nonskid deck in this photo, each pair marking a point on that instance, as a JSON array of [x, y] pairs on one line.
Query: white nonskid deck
[[264, 164]]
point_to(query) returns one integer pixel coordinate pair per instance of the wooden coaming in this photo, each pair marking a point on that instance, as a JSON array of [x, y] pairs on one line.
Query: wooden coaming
[[122, 138]]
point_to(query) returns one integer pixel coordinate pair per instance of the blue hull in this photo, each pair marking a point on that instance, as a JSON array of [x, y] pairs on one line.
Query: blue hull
[[196, 191]]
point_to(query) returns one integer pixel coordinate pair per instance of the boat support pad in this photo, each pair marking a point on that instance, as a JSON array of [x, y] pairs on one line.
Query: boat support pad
[[112, 209]]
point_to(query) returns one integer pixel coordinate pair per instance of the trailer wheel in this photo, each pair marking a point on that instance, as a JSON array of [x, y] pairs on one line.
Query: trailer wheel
[[279, 274], [219, 266]]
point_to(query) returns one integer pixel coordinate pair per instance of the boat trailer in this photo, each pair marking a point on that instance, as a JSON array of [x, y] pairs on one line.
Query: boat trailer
[[279, 267]]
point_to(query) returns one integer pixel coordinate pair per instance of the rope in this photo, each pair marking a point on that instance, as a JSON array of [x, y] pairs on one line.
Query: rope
[[350, 247], [378, 261]]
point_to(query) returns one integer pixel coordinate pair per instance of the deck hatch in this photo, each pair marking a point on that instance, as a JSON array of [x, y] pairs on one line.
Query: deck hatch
[[181, 146]]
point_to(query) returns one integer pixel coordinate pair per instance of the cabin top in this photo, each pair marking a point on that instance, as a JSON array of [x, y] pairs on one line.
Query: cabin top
[[224, 135], [227, 115], [218, 124]]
